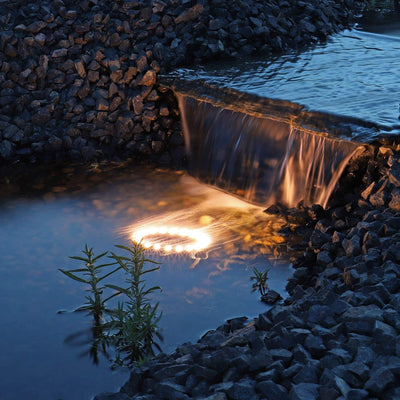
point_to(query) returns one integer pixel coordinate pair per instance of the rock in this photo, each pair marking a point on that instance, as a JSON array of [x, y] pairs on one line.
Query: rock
[[271, 297], [352, 247], [242, 390], [272, 390], [342, 386], [36, 27], [367, 192], [357, 394], [378, 199], [315, 346], [263, 322], [362, 319], [190, 15], [308, 374], [379, 381], [115, 40], [394, 175], [149, 79], [170, 390], [394, 203], [304, 391], [318, 239], [281, 354], [355, 374], [6, 149]]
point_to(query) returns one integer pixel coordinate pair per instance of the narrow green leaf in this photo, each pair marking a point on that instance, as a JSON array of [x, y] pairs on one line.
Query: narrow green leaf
[[99, 256], [118, 288], [110, 273], [103, 265], [72, 276]]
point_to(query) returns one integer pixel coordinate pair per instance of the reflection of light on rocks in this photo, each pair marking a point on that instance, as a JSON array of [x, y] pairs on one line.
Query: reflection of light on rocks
[[165, 238]]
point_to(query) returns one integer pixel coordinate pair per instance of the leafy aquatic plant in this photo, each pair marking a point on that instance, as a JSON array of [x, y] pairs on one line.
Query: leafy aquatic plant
[[132, 327], [89, 274], [134, 324], [260, 279]]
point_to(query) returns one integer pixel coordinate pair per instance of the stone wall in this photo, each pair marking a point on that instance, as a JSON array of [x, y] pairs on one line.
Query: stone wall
[[78, 80]]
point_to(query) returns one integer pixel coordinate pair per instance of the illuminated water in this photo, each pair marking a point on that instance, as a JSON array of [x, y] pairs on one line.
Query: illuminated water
[[354, 75], [264, 160], [39, 231]]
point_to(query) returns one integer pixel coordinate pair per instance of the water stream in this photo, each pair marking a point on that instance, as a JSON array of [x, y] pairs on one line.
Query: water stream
[[261, 159]]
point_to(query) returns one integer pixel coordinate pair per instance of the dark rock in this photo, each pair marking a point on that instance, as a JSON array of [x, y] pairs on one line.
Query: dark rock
[[271, 297], [304, 391], [362, 319], [171, 391], [242, 390], [281, 354], [357, 394], [379, 381], [308, 374], [272, 390], [352, 247], [355, 374], [300, 354], [315, 346], [318, 239]]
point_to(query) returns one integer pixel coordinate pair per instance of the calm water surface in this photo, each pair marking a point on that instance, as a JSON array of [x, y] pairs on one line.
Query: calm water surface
[[38, 233]]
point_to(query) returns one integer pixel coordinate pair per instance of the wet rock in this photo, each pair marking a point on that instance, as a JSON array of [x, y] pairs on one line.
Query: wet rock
[[271, 297]]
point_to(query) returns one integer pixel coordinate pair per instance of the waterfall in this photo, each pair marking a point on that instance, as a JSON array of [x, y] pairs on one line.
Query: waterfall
[[262, 159]]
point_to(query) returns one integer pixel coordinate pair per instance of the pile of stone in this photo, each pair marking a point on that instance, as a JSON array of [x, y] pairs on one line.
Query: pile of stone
[[337, 335], [78, 80]]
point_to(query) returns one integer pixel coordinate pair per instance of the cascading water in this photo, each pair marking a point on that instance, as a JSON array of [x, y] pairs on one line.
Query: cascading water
[[262, 159]]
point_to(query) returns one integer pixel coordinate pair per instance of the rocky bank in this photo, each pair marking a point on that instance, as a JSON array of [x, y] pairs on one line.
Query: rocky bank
[[79, 80], [336, 336]]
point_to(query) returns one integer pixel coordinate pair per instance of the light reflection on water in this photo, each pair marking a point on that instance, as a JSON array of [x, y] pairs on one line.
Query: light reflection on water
[[354, 74], [38, 234]]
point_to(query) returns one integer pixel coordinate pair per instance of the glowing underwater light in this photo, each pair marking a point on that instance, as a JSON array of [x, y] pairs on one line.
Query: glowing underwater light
[[198, 240]]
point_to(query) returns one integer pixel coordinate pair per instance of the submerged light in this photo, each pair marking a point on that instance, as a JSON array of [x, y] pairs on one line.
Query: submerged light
[[193, 239]]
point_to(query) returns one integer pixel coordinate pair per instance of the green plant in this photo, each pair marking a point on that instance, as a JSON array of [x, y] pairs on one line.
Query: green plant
[[89, 275], [134, 324], [260, 279], [132, 327]]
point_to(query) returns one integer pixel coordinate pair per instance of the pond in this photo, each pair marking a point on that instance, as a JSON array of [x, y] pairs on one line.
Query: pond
[[42, 223]]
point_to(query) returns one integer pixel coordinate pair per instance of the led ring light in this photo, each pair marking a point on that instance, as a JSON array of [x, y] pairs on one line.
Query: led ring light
[[199, 240]]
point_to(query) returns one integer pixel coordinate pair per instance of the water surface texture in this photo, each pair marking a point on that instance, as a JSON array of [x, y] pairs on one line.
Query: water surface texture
[[355, 74], [200, 291]]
